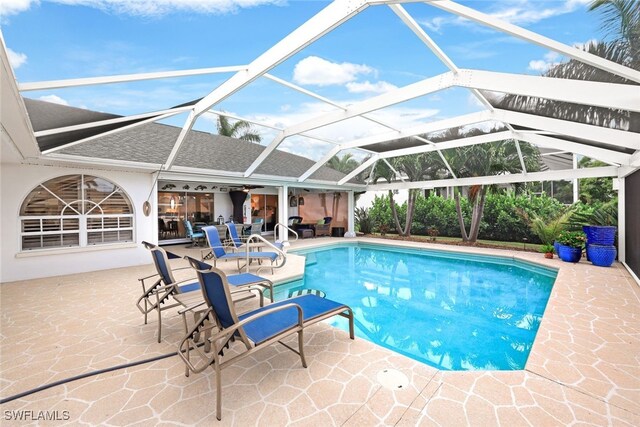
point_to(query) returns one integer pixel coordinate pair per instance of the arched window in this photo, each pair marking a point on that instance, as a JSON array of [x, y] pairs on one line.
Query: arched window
[[75, 211]]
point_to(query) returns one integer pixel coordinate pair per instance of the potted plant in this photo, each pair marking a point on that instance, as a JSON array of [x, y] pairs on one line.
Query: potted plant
[[433, 233], [547, 250], [571, 245]]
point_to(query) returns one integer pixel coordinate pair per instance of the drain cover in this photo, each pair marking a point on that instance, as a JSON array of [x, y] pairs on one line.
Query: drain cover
[[392, 379]]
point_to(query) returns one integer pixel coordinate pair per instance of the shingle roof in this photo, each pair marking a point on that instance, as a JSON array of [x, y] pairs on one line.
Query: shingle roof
[[152, 143]]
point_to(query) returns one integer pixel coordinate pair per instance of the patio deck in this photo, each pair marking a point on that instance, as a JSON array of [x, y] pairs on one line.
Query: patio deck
[[584, 366]]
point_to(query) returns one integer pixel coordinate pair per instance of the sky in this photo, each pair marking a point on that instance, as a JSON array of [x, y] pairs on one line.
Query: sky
[[368, 55]]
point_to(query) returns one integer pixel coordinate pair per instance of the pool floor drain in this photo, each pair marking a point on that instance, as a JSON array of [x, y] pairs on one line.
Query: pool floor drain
[[392, 379]]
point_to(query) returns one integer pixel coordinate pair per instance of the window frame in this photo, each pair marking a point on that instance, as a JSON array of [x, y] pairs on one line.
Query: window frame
[[84, 212]]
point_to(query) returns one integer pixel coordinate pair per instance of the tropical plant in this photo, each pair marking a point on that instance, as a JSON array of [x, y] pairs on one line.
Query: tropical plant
[[547, 249], [575, 239], [494, 158], [547, 230], [239, 129], [594, 190], [606, 214], [364, 221]]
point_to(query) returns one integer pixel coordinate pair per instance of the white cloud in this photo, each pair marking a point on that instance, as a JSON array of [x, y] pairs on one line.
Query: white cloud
[[519, 12], [313, 70], [551, 59], [436, 24], [530, 12], [146, 7], [54, 98], [16, 59], [13, 7], [368, 87]]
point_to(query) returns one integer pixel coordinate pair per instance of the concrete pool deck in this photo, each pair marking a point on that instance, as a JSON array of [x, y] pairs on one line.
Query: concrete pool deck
[[584, 366]]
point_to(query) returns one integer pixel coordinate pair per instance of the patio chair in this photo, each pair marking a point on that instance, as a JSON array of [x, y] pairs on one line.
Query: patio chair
[[191, 234], [254, 329], [323, 227], [217, 252], [163, 230], [235, 242], [256, 226], [158, 296]]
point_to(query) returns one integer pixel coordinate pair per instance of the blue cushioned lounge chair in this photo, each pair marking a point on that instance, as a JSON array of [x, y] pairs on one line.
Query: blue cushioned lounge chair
[[217, 252], [254, 329], [158, 296]]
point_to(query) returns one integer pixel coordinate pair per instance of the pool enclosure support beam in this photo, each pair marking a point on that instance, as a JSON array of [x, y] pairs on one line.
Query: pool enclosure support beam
[[360, 168], [281, 233], [351, 208], [538, 39], [329, 18], [622, 218], [266, 125], [604, 135], [438, 125], [433, 46], [576, 183], [581, 92], [111, 132], [323, 99], [124, 78], [402, 94], [599, 94], [567, 174], [319, 163], [522, 85], [453, 143], [603, 154]]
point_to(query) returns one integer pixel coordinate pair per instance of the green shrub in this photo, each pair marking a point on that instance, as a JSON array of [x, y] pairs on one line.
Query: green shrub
[[364, 223]]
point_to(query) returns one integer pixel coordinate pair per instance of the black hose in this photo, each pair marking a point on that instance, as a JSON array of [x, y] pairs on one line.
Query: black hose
[[85, 375]]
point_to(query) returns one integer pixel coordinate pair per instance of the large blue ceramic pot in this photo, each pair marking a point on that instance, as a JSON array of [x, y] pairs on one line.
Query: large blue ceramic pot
[[602, 255], [569, 253]]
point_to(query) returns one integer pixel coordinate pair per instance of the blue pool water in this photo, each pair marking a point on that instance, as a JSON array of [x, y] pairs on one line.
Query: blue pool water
[[451, 311]]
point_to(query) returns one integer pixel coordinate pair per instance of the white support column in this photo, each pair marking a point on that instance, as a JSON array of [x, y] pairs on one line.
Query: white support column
[[622, 220], [283, 213], [351, 208], [576, 182], [530, 36]]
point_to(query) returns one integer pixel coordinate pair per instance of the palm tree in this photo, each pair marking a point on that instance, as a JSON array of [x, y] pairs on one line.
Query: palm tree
[[494, 158], [344, 164], [239, 129], [416, 167]]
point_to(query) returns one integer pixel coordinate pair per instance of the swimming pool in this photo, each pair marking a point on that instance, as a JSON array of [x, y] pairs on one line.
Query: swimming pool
[[453, 311]]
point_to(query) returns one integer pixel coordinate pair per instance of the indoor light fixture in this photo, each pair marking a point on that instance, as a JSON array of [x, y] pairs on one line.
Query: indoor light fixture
[[172, 203]]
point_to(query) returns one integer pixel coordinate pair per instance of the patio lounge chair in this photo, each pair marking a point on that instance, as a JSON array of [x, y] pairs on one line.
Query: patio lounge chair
[[255, 329], [158, 297], [217, 252], [234, 241]]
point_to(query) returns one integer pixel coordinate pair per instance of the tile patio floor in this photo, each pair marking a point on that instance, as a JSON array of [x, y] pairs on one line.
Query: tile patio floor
[[584, 368]]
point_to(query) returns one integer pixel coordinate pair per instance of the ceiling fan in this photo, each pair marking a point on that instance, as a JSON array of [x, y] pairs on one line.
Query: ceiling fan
[[245, 188]]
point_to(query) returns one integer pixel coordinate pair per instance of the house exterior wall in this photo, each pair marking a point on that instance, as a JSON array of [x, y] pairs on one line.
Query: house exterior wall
[[16, 181]]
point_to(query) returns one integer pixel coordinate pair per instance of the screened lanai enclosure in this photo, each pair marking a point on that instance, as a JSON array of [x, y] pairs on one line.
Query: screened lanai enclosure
[[539, 125]]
